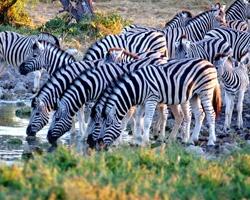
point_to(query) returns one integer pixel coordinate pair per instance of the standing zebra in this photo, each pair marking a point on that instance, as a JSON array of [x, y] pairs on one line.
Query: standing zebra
[[48, 57], [133, 42], [46, 99], [196, 28], [233, 80], [15, 48], [179, 20], [239, 10], [239, 41], [88, 87], [173, 83], [205, 49]]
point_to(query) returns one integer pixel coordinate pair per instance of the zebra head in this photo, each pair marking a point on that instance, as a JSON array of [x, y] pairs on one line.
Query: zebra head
[[35, 61], [111, 128], [39, 117], [94, 126], [222, 61], [219, 15], [61, 122]]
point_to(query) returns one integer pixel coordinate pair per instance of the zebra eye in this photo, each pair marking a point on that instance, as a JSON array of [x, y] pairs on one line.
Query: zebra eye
[[37, 114]]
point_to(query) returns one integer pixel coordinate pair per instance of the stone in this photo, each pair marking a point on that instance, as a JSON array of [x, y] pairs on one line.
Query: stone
[[20, 88], [195, 150]]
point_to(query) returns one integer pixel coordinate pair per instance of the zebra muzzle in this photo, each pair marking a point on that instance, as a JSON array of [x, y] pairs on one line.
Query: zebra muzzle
[[23, 69], [30, 132]]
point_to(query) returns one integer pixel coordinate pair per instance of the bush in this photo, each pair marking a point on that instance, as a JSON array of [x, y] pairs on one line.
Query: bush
[[97, 26]]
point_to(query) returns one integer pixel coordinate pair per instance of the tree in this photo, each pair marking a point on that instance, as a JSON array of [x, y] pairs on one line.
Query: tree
[[78, 9], [13, 12]]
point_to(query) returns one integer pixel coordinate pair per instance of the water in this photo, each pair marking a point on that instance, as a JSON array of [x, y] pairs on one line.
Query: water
[[13, 132]]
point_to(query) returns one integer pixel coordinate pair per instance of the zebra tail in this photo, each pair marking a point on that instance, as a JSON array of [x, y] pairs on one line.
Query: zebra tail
[[217, 100]]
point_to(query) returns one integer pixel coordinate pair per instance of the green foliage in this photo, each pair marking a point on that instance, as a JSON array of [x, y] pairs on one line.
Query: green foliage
[[97, 26], [128, 173]]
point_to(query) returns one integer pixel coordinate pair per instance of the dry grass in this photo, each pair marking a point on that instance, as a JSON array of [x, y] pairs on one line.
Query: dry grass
[[153, 13]]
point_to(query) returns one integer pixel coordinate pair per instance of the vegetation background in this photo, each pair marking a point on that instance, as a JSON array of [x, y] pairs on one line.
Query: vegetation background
[[127, 173]]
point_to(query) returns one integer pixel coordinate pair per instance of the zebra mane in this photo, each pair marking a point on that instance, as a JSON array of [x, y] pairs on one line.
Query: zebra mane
[[188, 13], [48, 35], [201, 15]]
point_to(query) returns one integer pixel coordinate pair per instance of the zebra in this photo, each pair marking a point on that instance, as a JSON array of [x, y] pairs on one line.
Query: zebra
[[15, 48], [134, 43], [45, 100], [239, 10], [88, 87], [206, 48], [45, 56], [179, 20], [233, 80], [238, 25], [239, 41], [196, 28], [173, 83]]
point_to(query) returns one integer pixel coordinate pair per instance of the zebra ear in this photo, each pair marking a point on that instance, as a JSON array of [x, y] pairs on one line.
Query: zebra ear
[[216, 6], [38, 46]]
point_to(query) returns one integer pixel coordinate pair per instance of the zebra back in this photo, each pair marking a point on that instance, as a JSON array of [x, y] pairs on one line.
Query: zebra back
[[205, 49], [196, 28], [239, 10], [173, 83], [238, 25], [238, 40], [48, 37]]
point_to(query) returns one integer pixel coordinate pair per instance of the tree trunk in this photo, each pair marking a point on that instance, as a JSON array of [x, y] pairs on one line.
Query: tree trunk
[[4, 6], [79, 9]]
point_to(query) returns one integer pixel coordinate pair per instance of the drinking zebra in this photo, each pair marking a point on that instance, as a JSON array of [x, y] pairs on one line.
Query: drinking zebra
[[174, 83]]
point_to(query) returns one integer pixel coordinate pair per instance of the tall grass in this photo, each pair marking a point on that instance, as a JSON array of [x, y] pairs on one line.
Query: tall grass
[[128, 173]]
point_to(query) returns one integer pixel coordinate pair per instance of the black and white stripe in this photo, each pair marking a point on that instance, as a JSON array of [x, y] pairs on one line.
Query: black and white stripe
[[46, 56], [173, 83], [132, 42], [239, 10], [205, 49], [45, 100], [234, 80], [179, 20], [196, 28], [239, 41], [88, 87]]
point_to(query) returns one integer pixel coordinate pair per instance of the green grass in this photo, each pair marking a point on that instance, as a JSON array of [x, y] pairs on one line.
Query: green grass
[[128, 173]]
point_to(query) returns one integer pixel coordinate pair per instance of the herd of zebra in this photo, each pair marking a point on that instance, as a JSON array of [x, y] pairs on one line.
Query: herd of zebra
[[190, 66]]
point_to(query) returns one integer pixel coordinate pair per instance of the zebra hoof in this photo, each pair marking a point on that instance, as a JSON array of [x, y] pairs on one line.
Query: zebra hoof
[[52, 148]]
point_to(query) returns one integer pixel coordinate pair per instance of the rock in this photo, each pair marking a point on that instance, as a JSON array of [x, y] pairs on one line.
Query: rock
[[195, 150], [1, 92], [248, 142], [20, 88]]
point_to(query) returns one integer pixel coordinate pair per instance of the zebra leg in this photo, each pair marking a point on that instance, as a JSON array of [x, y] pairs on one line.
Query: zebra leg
[[128, 117], [149, 113], [240, 108], [163, 120], [178, 117], [82, 126], [229, 110], [187, 120], [199, 116], [37, 81], [138, 124], [206, 100]]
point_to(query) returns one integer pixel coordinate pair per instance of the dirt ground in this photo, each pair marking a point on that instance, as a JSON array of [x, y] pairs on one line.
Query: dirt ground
[[154, 13]]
